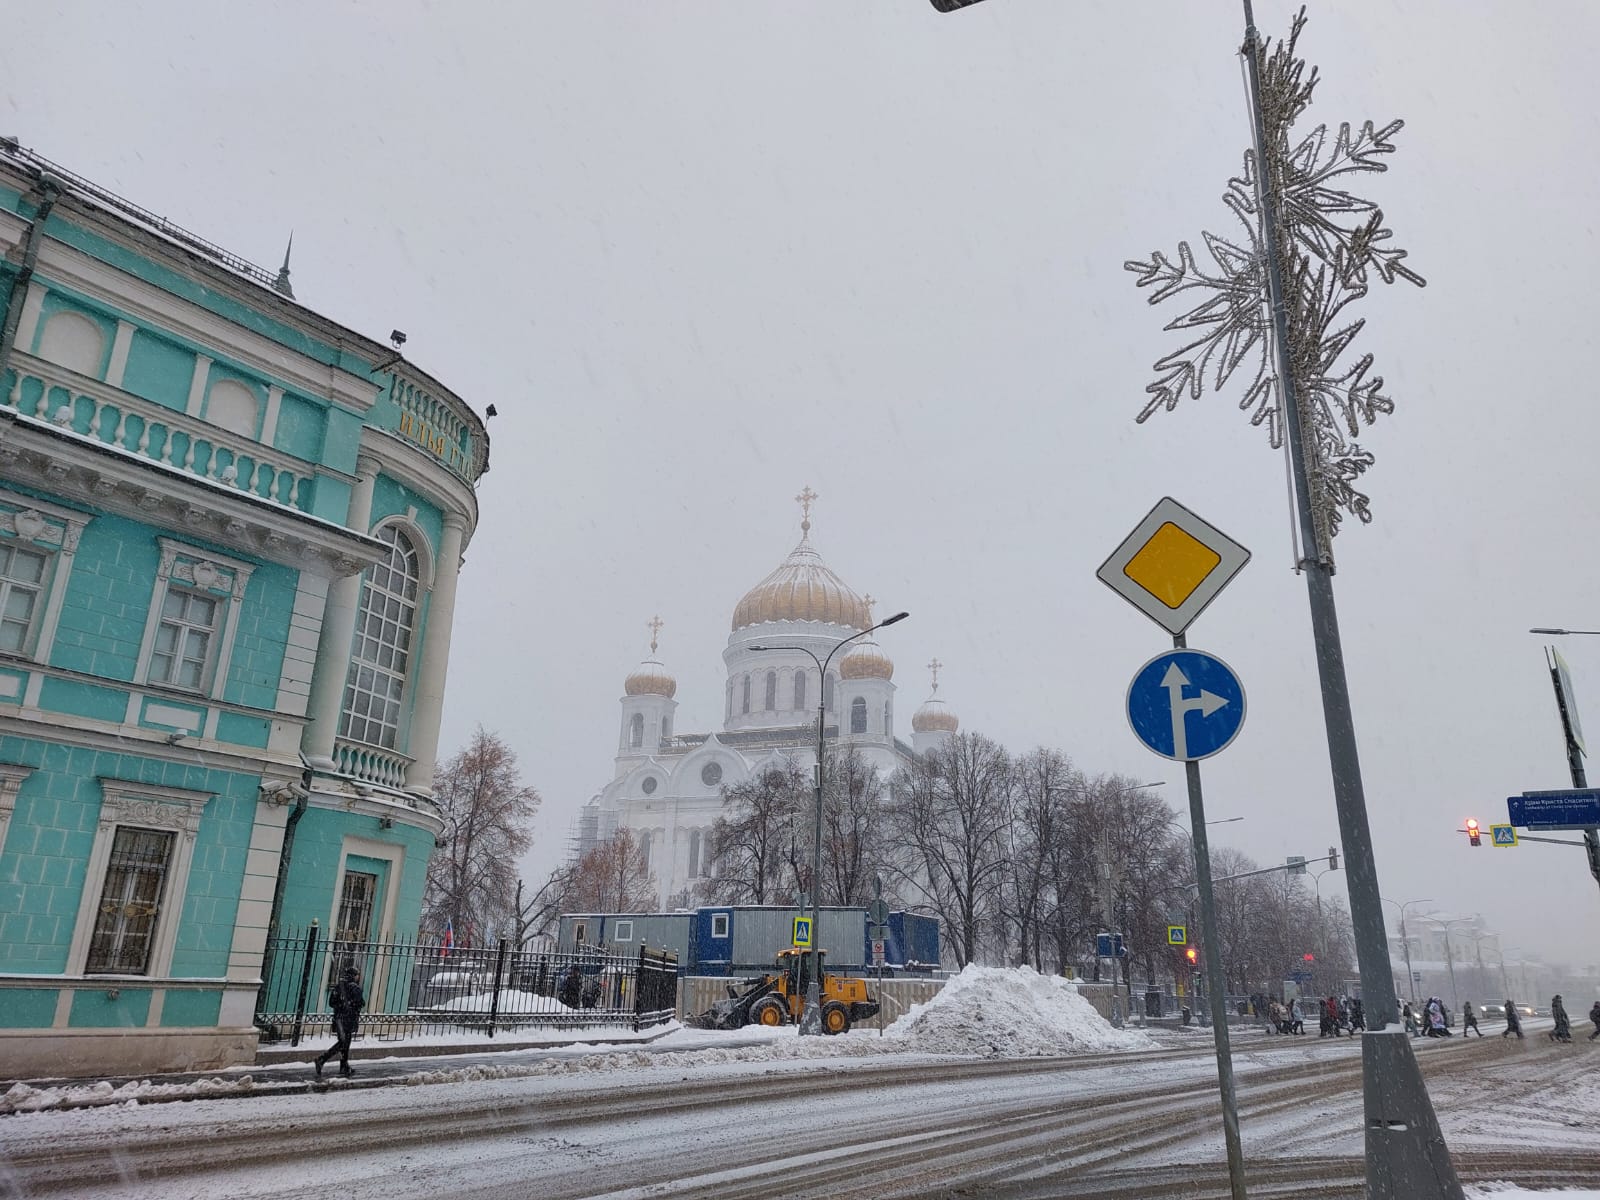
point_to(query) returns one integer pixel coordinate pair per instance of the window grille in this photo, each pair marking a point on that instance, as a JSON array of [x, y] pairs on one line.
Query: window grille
[[130, 902]]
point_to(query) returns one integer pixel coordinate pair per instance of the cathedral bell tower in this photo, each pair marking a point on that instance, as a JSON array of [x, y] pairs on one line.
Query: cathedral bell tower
[[647, 707]]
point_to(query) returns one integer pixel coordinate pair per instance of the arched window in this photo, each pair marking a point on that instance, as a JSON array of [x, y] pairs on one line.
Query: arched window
[[827, 693], [644, 848], [747, 693], [858, 715], [799, 691], [694, 854], [666, 727], [636, 731], [772, 690], [380, 654]]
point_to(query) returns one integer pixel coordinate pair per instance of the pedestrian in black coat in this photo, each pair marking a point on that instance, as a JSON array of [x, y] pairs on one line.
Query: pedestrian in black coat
[[1563, 1030], [1594, 1019], [347, 1000], [1469, 1020], [1513, 1021]]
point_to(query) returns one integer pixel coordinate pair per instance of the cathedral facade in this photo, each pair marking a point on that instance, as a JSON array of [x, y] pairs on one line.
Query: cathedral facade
[[667, 786]]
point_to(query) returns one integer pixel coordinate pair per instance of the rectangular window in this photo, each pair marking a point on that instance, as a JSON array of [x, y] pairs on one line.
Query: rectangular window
[[185, 638], [624, 932], [580, 931], [719, 925], [22, 576], [130, 903], [356, 901]]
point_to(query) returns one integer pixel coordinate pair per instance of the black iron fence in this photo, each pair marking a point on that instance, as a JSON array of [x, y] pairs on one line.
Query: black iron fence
[[420, 987]]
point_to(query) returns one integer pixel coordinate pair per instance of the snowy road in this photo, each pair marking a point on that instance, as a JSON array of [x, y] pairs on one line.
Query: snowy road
[[850, 1123]]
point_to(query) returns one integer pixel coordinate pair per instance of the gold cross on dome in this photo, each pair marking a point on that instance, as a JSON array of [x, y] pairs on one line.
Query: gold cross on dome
[[654, 625], [934, 667], [805, 500], [869, 600]]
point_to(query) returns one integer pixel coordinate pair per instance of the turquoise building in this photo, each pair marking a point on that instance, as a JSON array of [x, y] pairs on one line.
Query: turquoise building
[[230, 534]]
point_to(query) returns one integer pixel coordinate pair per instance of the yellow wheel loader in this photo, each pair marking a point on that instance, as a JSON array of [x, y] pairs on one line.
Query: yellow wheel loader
[[780, 998]]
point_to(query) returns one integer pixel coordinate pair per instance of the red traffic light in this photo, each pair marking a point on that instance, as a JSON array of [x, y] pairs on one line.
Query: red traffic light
[[1473, 836], [1310, 958]]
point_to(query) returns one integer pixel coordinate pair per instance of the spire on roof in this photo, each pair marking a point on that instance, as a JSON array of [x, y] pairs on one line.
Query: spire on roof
[[281, 283]]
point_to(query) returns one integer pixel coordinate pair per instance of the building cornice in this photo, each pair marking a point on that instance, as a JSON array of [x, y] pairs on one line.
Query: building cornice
[[76, 467]]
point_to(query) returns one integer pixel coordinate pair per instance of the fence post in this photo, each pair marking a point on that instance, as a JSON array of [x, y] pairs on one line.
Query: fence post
[[499, 973], [305, 983], [638, 988]]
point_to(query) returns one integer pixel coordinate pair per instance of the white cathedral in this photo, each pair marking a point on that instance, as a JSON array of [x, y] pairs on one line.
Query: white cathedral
[[667, 786]]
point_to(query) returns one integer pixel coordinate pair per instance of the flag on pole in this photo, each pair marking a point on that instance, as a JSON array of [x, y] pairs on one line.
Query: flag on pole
[[449, 937]]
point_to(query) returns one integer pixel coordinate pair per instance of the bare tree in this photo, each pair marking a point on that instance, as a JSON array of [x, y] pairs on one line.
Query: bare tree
[[1030, 895], [487, 808], [952, 809], [755, 848], [852, 820], [613, 876], [536, 912]]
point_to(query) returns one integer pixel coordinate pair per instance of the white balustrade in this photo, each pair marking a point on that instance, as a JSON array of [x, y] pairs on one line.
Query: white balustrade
[[370, 764], [149, 430]]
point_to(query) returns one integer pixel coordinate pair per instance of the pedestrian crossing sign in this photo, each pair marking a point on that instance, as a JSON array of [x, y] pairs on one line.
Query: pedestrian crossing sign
[[1177, 935], [1502, 835], [802, 931]]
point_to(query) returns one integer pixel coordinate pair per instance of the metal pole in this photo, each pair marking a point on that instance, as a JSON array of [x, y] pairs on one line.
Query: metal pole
[[1580, 779], [1215, 983], [1106, 906], [305, 983], [1405, 944], [1406, 1154], [811, 1018], [1449, 961]]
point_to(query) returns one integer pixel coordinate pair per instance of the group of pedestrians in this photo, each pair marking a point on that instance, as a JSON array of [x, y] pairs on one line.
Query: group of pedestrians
[[1336, 1015]]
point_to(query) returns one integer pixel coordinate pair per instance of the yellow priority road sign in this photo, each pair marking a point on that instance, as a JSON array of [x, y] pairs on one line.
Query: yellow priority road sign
[[1177, 935], [802, 931], [1502, 835], [1172, 565]]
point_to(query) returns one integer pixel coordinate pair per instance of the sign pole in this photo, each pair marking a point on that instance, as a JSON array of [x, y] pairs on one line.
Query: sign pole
[[1215, 984], [1580, 778]]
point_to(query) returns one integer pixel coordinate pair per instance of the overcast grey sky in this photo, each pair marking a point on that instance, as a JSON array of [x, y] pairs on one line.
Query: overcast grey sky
[[703, 252]]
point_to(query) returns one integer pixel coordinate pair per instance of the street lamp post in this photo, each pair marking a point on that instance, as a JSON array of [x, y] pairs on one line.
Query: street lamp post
[[1322, 934], [1444, 925], [1405, 942], [811, 1017]]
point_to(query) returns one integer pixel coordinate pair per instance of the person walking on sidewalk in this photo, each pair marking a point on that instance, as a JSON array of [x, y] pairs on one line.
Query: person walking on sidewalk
[[347, 1000], [1469, 1020], [1513, 1021], [1594, 1019]]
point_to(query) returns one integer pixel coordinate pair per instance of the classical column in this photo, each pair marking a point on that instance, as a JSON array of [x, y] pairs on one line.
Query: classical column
[[429, 704], [338, 630]]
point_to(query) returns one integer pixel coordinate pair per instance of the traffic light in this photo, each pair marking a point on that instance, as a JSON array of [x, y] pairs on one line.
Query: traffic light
[[1333, 858], [1473, 835], [1193, 956], [1309, 957]]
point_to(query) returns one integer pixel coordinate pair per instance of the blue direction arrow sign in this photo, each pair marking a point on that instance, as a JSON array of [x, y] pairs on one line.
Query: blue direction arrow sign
[[1186, 704], [1573, 809]]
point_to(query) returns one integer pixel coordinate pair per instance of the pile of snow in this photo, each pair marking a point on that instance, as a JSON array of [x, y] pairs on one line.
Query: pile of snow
[[1010, 1012], [510, 1002], [23, 1098]]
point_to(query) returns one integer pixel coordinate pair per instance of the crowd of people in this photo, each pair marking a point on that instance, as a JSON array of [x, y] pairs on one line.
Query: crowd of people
[[1343, 1017]]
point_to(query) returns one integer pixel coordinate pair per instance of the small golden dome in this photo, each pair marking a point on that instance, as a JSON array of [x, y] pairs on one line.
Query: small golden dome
[[866, 661], [935, 716], [650, 678], [802, 588]]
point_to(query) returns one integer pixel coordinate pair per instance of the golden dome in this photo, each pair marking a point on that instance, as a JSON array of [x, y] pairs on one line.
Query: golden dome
[[866, 661], [802, 588], [650, 678], [935, 716]]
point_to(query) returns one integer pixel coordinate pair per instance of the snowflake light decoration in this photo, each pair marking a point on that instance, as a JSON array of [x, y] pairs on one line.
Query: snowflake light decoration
[[1330, 244]]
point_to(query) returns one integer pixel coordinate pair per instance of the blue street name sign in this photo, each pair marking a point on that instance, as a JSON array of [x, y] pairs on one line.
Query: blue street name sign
[[1554, 810], [1186, 705]]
